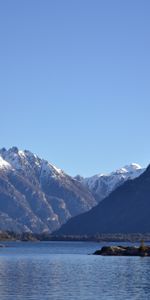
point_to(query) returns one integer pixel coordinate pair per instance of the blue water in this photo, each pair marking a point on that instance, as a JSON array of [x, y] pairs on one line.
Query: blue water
[[65, 271]]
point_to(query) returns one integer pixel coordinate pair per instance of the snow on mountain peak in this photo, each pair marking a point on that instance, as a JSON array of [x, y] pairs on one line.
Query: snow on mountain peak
[[28, 162], [128, 169], [4, 164], [103, 184], [49, 169], [133, 167]]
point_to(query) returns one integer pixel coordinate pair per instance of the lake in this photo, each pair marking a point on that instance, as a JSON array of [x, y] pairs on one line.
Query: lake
[[65, 271]]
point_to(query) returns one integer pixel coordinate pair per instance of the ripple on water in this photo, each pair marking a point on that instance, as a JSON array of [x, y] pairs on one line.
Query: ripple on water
[[41, 272]]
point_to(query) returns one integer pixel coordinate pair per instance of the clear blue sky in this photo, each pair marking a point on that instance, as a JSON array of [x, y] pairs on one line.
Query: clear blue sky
[[75, 81]]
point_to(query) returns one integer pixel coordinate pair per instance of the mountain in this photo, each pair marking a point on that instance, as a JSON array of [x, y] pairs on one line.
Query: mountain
[[125, 210], [102, 185], [35, 196]]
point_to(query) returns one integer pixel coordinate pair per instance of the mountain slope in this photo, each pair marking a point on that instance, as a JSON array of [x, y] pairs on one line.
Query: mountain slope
[[102, 185], [36, 196], [125, 210]]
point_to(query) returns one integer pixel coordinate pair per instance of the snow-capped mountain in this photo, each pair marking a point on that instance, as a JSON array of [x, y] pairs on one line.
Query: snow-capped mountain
[[36, 196], [101, 185], [125, 210]]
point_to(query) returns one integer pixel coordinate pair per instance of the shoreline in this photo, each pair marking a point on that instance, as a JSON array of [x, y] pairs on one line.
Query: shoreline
[[114, 238]]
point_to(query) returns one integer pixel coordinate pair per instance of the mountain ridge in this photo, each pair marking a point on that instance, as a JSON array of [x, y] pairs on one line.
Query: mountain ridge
[[101, 185], [44, 196], [36, 196], [125, 210]]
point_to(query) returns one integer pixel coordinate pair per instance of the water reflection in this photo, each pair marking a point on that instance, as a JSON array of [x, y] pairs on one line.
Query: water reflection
[[72, 276]]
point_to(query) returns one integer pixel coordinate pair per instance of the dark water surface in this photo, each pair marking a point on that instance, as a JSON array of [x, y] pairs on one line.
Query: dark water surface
[[65, 271]]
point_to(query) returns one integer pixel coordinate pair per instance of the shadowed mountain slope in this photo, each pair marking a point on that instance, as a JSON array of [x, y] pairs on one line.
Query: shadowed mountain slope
[[125, 210]]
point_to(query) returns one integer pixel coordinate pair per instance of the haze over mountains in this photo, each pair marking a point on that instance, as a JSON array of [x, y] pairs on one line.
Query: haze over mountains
[[37, 197]]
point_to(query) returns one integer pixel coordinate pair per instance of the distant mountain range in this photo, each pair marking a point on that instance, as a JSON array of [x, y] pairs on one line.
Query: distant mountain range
[[101, 185], [125, 210], [37, 197]]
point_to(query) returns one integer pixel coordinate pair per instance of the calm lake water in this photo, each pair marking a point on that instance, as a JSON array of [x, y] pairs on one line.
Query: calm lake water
[[65, 271]]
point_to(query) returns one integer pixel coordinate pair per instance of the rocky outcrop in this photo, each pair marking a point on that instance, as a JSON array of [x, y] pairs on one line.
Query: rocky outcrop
[[124, 251]]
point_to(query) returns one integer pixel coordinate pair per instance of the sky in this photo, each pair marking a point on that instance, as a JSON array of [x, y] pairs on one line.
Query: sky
[[75, 82]]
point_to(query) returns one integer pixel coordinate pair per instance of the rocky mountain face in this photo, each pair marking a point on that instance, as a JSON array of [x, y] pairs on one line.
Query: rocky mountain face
[[102, 185], [125, 210], [35, 196]]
